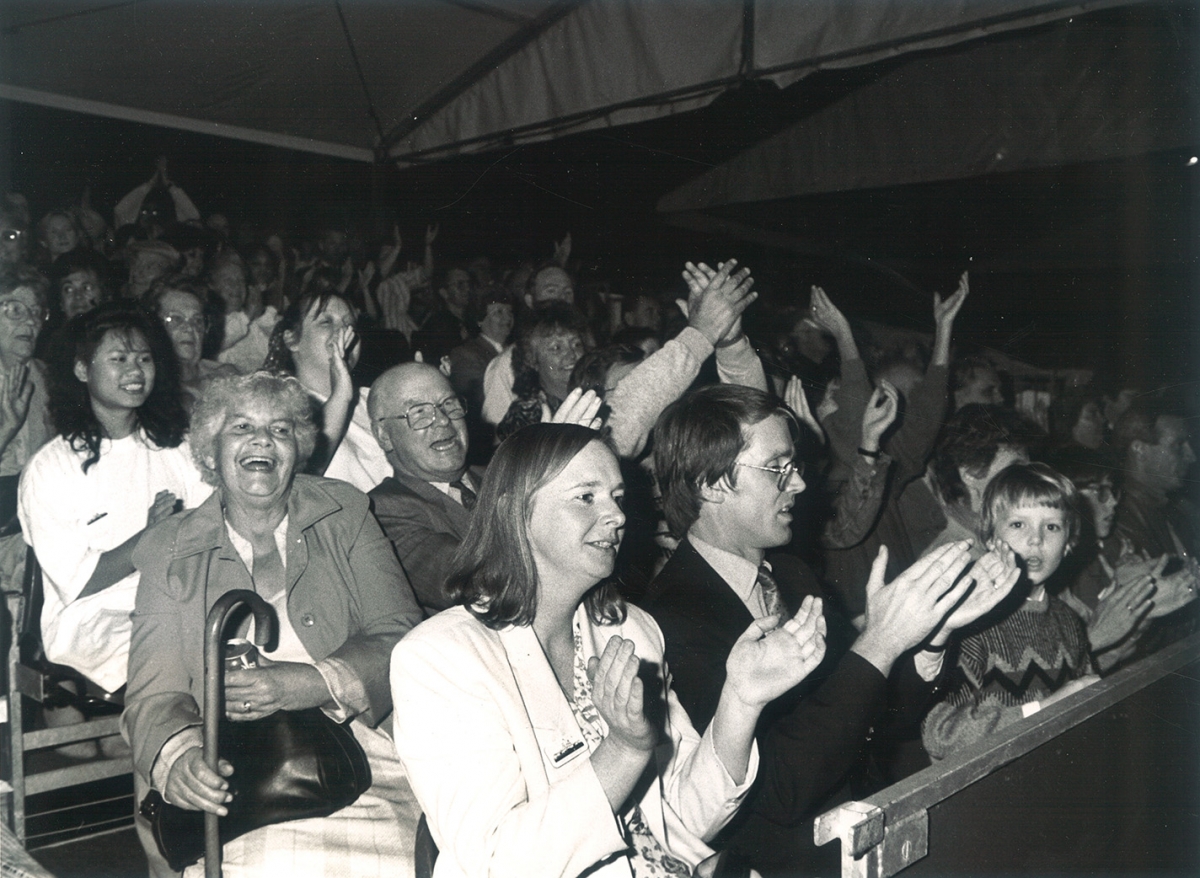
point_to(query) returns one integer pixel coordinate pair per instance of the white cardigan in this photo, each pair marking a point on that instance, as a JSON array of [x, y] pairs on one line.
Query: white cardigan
[[498, 763]]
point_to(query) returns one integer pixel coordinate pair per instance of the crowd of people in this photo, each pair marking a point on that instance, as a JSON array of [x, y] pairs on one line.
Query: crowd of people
[[603, 582]]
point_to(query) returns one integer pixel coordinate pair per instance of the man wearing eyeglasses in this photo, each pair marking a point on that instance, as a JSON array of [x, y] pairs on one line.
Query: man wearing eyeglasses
[[425, 505], [724, 458]]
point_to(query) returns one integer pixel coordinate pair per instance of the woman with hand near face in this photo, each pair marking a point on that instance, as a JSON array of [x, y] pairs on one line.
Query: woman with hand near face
[[536, 720], [315, 341]]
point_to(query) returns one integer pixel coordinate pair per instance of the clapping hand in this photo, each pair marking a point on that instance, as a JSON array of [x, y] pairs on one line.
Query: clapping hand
[[618, 693], [769, 659], [164, 506], [717, 299], [580, 407], [827, 316], [945, 310], [796, 399], [993, 577], [1120, 610], [16, 390]]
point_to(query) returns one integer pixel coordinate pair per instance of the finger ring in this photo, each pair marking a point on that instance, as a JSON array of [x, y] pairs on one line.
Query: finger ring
[[245, 707]]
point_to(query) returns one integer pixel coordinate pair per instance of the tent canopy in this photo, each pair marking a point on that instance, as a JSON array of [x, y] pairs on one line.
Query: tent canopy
[[419, 80]]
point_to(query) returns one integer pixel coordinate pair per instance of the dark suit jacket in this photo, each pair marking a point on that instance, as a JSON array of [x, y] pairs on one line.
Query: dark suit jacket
[[468, 362], [425, 526], [811, 739]]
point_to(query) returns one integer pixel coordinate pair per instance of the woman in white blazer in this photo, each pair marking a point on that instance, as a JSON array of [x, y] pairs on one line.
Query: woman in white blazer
[[536, 720]]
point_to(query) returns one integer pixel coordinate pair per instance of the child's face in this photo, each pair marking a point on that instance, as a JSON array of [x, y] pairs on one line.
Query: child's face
[[1038, 534]]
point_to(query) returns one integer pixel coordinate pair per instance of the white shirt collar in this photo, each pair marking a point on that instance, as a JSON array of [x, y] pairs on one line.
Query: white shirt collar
[[739, 574]]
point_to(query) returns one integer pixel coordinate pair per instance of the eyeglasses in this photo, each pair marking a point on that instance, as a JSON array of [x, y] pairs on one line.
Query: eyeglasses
[[19, 312], [783, 474], [422, 415], [11, 235], [178, 321]]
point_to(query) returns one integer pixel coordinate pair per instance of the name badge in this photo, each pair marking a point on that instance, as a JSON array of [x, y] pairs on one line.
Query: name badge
[[565, 751]]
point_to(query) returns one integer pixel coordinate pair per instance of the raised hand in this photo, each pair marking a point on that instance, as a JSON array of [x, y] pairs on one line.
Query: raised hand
[[431, 233], [902, 614], [879, 414], [340, 348], [579, 407], [617, 693], [192, 785], [164, 505], [945, 310], [827, 316], [768, 659], [993, 577], [716, 300], [16, 390], [797, 401]]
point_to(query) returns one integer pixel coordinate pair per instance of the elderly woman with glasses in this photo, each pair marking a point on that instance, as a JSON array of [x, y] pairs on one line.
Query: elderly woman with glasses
[[536, 719], [24, 414], [310, 547], [180, 304]]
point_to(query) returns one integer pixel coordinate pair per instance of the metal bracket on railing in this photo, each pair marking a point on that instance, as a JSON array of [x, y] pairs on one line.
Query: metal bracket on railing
[[871, 848]]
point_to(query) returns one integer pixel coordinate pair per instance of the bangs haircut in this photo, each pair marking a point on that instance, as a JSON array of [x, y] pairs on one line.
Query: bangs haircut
[[1030, 484], [697, 441], [493, 572], [224, 395]]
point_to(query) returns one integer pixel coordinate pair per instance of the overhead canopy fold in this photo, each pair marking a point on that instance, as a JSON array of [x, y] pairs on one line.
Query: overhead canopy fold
[[424, 79], [1079, 91]]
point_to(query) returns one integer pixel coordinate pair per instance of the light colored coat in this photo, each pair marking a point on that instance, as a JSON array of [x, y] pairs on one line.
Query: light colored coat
[[498, 763]]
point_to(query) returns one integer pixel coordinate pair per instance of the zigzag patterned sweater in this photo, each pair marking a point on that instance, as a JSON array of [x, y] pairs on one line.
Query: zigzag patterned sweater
[[1024, 657]]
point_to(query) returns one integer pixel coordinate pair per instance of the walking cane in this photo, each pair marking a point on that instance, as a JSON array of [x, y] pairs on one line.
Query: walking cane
[[214, 691]]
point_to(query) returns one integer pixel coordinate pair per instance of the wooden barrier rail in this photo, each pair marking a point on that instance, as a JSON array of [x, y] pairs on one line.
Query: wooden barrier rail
[[1117, 791]]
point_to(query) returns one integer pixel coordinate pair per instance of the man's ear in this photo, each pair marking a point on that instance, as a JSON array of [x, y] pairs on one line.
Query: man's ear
[[714, 493], [81, 371], [381, 436]]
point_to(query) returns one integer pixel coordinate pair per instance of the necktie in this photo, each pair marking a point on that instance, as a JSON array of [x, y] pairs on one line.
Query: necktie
[[770, 593], [466, 495]]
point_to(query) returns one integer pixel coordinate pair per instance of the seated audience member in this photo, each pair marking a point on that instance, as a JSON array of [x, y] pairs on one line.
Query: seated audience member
[[975, 380], [1117, 601], [1153, 514], [13, 234], [425, 505], [910, 516], [1077, 421], [548, 346], [248, 325], [450, 325], [58, 234], [315, 341], [117, 466], [25, 424], [469, 361], [643, 312], [725, 459], [77, 283], [311, 549], [148, 261], [1034, 650], [546, 285], [538, 715], [977, 442], [179, 303]]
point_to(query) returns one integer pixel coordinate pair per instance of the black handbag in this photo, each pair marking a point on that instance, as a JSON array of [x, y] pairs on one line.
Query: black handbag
[[290, 765]]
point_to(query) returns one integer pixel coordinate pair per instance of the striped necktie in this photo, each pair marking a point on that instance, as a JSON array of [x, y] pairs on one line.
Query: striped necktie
[[770, 592]]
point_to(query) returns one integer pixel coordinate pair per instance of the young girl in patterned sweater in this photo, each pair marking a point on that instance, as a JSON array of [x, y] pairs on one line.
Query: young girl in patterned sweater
[[1032, 650]]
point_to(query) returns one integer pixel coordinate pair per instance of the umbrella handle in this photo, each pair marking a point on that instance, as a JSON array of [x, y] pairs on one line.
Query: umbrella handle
[[214, 666]]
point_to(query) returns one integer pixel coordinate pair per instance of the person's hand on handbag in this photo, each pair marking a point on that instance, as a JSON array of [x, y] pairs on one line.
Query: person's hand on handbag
[[194, 786], [257, 692]]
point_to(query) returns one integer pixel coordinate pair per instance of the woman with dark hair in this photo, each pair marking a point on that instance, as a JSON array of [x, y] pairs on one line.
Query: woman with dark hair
[[536, 721], [549, 344], [118, 465], [316, 342]]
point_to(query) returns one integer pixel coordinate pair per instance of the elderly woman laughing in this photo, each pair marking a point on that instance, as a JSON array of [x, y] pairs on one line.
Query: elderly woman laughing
[[310, 547]]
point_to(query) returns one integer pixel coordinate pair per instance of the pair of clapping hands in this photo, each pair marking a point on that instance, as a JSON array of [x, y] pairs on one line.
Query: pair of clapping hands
[[1138, 594]]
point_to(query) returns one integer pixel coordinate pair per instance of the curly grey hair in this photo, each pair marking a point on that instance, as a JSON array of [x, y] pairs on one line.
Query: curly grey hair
[[222, 394]]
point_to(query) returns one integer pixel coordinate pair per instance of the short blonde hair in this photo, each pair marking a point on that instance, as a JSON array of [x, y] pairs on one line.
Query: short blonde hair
[[1030, 484]]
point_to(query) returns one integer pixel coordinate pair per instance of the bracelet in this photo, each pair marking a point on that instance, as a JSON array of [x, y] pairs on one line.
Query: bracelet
[[937, 649], [730, 342], [874, 455]]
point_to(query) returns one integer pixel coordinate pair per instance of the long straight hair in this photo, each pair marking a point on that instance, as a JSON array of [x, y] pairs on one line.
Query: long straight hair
[[493, 572]]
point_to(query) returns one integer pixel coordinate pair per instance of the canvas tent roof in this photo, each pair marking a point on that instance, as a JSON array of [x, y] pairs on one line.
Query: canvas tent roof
[[422, 79]]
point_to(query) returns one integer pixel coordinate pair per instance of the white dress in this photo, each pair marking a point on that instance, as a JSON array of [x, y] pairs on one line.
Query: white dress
[[72, 518]]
